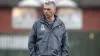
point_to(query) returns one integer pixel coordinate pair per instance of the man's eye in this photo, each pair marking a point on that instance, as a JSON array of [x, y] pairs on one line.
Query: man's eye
[[48, 9], [44, 9]]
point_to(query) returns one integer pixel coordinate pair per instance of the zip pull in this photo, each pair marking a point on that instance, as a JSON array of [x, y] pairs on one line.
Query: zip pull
[[59, 26]]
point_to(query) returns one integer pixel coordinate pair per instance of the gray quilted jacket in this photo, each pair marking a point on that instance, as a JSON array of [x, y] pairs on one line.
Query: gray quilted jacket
[[44, 41]]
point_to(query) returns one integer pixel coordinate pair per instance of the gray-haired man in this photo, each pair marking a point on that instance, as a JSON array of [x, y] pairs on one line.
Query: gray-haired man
[[48, 36]]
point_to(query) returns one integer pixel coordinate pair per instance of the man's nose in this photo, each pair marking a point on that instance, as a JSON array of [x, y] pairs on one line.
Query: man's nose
[[46, 11]]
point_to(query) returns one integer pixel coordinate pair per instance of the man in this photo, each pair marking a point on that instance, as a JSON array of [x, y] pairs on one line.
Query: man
[[48, 36]]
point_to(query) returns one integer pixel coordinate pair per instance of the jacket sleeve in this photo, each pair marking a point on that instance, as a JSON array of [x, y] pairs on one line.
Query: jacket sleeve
[[65, 44], [32, 41]]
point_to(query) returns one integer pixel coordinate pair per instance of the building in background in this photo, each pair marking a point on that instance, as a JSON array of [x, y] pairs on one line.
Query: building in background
[[80, 16]]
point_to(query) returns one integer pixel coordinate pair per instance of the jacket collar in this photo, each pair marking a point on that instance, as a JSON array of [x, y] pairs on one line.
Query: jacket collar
[[56, 23]]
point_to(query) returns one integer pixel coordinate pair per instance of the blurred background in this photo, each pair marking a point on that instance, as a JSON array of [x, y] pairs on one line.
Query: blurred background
[[81, 17]]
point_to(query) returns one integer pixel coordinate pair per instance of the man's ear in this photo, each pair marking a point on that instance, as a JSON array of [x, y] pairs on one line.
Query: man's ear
[[55, 10]]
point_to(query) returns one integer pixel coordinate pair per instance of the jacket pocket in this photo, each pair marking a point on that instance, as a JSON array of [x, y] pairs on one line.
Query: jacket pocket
[[56, 52], [42, 48]]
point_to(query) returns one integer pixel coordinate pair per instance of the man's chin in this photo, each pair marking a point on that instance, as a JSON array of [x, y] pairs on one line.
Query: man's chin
[[47, 16]]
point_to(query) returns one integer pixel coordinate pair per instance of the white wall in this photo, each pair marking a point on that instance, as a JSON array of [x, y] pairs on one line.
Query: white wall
[[14, 42]]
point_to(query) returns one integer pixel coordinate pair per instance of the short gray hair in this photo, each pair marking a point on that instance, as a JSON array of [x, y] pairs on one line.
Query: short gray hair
[[51, 2]]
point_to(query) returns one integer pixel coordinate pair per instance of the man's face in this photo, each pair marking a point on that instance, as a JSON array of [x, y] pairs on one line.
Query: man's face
[[49, 10]]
